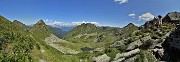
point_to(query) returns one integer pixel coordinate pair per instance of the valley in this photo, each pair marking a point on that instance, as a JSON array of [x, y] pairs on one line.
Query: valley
[[90, 43]]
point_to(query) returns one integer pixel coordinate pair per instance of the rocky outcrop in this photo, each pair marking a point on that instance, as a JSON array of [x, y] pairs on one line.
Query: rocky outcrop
[[99, 38], [174, 39], [158, 53], [138, 43], [102, 58], [122, 56], [172, 17], [134, 45], [172, 46]]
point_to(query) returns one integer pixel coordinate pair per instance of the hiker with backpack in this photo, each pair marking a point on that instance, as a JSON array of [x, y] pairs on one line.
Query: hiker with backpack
[[159, 21]]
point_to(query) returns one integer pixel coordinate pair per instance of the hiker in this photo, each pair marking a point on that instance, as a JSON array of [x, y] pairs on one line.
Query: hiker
[[159, 21]]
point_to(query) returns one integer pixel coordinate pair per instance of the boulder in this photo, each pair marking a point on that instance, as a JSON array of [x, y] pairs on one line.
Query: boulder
[[102, 58], [138, 43], [127, 54], [133, 45], [159, 53]]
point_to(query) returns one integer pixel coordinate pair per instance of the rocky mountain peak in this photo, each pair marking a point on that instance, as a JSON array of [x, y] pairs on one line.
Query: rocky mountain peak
[[84, 28], [87, 25], [16, 21], [41, 28], [130, 24], [41, 22], [172, 17]]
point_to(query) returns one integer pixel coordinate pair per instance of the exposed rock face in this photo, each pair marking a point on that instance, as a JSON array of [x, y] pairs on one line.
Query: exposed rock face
[[175, 39], [102, 58], [158, 53], [172, 46], [138, 43], [172, 17], [120, 57], [99, 38], [134, 44]]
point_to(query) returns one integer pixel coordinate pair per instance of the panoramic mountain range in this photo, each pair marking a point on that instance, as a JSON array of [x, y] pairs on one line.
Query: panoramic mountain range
[[90, 43], [64, 28]]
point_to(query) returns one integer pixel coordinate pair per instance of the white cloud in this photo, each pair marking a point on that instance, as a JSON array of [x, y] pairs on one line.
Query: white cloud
[[51, 22], [79, 23], [146, 17], [121, 1], [55, 22], [132, 15], [137, 24], [46, 20]]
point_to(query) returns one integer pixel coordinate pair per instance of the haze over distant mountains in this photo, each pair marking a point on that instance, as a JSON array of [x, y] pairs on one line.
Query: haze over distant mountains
[[64, 27]]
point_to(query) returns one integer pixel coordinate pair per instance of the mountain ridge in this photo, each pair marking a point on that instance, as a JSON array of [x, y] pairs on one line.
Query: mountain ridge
[[131, 43]]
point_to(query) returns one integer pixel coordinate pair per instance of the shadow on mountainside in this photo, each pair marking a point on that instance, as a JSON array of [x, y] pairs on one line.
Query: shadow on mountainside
[[171, 46]]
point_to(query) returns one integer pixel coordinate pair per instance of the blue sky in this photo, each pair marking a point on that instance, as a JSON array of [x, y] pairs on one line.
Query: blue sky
[[116, 13]]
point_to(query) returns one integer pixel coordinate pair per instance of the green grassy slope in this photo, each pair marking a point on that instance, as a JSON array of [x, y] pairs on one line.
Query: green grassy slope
[[20, 45], [43, 51], [84, 28], [89, 35], [21, 24], [15, 42]]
